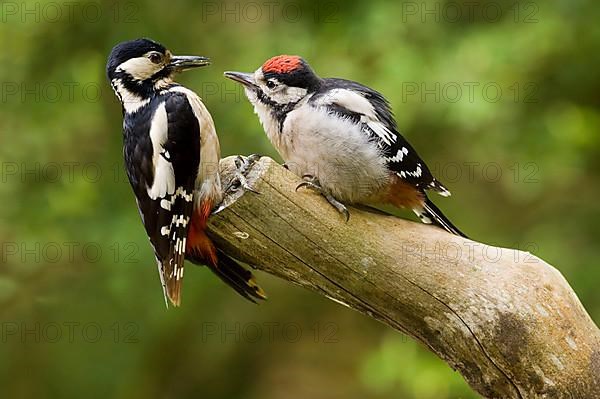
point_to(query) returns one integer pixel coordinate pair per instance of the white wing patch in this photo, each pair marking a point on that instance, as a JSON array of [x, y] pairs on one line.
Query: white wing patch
[[355, 102], [416, 173], [164, 175], [399, 155], [380, 130], [350, 100]]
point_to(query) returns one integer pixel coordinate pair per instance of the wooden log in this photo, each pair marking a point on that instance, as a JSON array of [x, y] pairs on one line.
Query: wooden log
[[505, 319]]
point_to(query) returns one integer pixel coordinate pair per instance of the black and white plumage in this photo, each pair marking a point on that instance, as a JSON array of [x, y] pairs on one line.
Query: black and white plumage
[[342, 135], [171, 153]]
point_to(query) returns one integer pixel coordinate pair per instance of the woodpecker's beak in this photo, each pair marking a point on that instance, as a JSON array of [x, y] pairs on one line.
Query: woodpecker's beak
[[181, 63], [247, 79]]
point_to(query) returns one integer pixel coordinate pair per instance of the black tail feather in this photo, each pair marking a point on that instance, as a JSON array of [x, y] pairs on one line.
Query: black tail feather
[[237, 277], [432, 214]]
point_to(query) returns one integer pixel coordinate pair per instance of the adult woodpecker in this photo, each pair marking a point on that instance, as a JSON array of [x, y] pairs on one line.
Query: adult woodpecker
[[172, 155], [341, 137]]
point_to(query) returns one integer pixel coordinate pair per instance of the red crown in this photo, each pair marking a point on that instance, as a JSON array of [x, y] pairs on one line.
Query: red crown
[[282, 64]]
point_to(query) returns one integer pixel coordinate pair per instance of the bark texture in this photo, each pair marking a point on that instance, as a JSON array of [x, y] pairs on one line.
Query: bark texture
[[505, 319]]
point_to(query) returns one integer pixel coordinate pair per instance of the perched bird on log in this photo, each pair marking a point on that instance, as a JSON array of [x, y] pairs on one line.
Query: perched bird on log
[[172, 153], [341, 138]]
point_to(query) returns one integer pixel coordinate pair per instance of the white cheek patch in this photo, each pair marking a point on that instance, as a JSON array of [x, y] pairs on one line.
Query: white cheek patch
[[289, 95], [140, 68], [284, 96]]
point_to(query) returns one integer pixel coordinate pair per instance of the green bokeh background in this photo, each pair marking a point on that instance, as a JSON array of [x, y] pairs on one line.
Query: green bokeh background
[[523, 165]]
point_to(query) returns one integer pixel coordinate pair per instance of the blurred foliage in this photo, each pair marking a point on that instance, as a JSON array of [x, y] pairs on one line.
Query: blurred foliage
[[533, 151]]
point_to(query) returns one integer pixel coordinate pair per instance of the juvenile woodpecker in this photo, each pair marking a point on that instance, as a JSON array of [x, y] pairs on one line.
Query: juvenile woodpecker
[[171, 155], [341, 138]]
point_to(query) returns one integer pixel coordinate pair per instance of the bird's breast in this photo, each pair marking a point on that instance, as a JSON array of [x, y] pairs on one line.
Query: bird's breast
[[347, 162]]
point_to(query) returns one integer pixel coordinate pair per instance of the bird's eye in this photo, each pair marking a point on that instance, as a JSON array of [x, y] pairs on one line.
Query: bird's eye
[[271, 84], [155, 57]]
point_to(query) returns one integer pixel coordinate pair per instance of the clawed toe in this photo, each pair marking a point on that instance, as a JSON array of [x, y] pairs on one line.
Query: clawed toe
[[242, 182], [313, 183], [310, 185], [238, 181], [341, 208], [243, 165]]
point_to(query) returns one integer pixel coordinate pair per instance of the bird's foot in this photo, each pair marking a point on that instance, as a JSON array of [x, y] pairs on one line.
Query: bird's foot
[[313, 183], [237, 183], [243, 166]]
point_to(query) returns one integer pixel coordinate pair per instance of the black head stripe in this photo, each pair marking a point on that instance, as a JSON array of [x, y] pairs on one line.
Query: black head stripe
[[130, 49], [303, 76]]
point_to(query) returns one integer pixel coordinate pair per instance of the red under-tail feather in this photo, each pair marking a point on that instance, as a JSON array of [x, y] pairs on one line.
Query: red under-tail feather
[[201, 250]]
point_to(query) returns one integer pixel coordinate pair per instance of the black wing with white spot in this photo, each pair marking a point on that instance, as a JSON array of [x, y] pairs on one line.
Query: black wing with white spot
[[366, 106], [162, 154]]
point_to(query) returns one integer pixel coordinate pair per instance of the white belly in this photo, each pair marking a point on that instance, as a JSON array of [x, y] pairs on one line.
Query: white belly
[[347, 163]]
